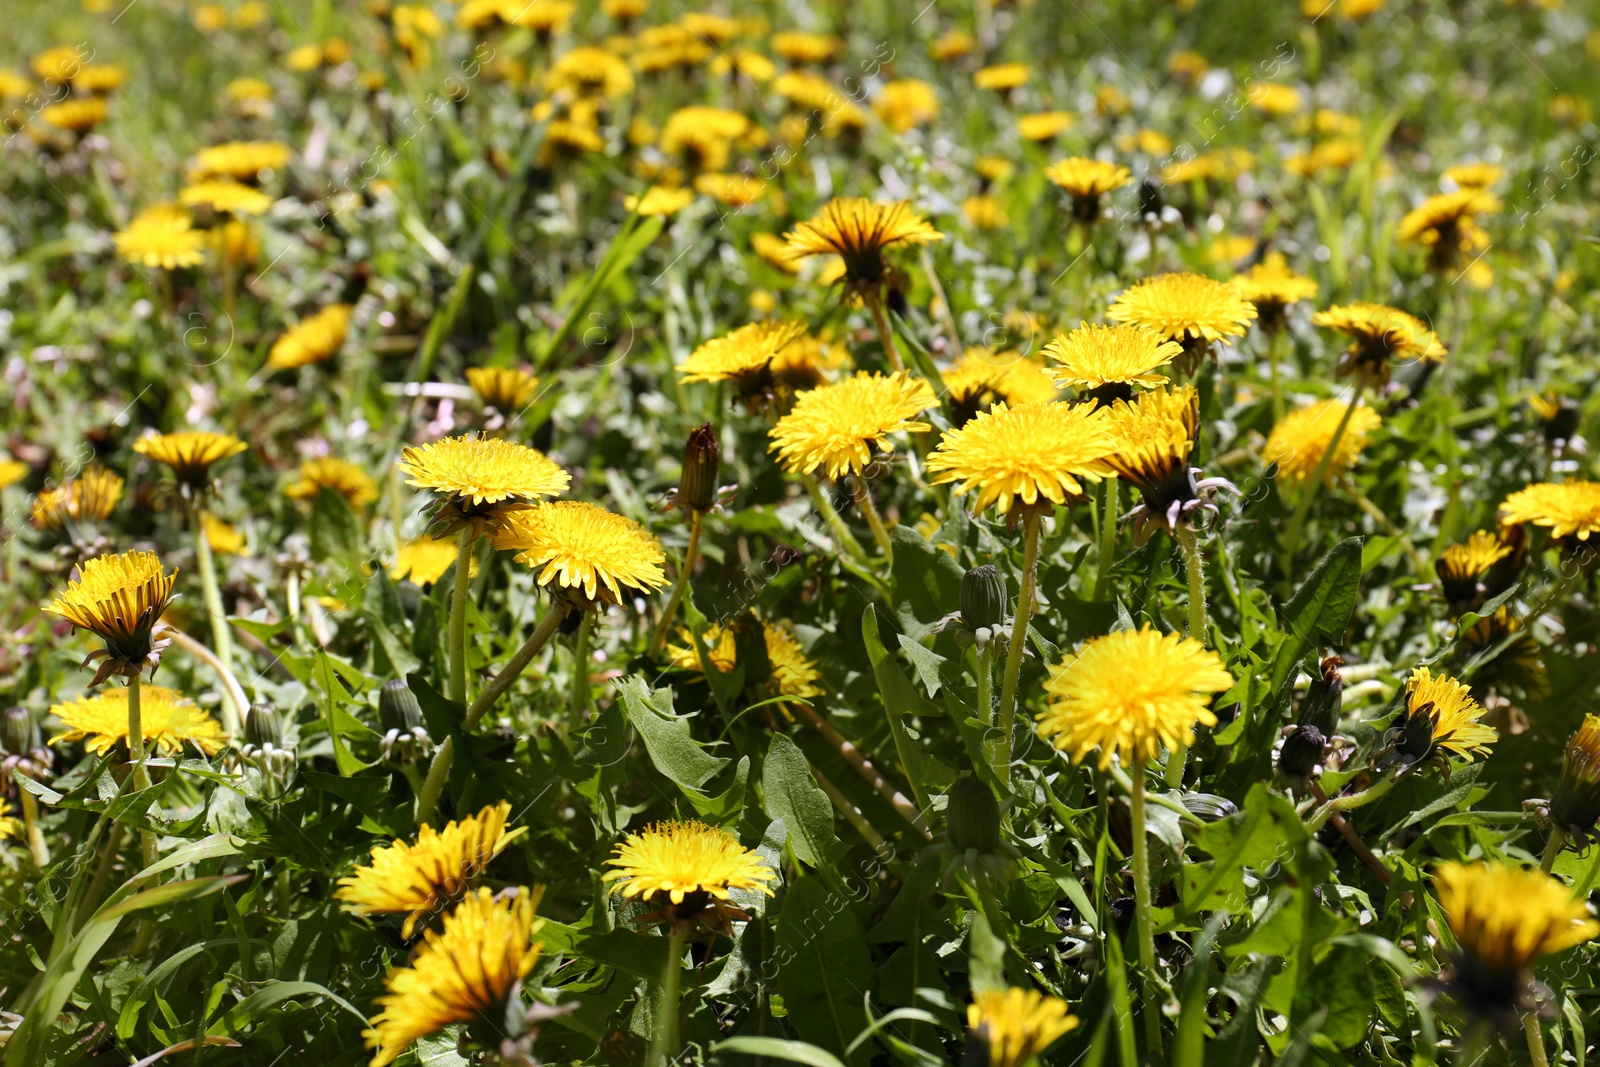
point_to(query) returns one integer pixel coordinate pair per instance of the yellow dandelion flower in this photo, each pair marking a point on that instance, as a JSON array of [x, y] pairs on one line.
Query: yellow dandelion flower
[[59, 64], [743, 356], [1443, 217], [1474, 175], [1505, 918], [1154, 437], [982, 376], [1185, 308], [952, 45], [1018, 1025], [190, 453], [1379, 335], [1339, 153], [1299, 440], [241, 89], [566, 140], [588, 72], [702, 136], [676, 859], [624, 10], [1575, 803], [836, 426], [162, 236], [906, 103], [10, 825], [775, 250], [992, 169], [467, 973], [424, 560], [1107, 362], [167, 719], [1272, 285], [235, 242], [14, 86], [809, 361], [313, 340], [1274, 98], [1440, 720], [734, 190], [582, 546], [335, 476], [1002, 77], [78, 115], [659, 201], [793, 674], [799, 47], [544, 17], [119, 599], [223, 538], [859, 231], [1518, 660], [13, 471], [1087, 181], [984, 212], [743, 62], [225, 195], [427, 877], [506, 389], [1019, 457], [1044, 125], [241, 160], [1462, 566], [478, 478], [1128, 694], [1569, 510], [90, 498]]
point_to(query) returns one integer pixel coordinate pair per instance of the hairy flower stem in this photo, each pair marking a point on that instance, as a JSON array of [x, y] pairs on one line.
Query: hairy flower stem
[[1558, 840], [458, 619], [1349, 802], [874, 301], [580, 672], [1385, 524], [1194, 566], [1308, 495], [880, 533], [141, 774], [212, 594], [658, 640], [1536, 1053], [1108, 539], [836, 524], [664, 1045], [1141, 911], [1007, 721], [1273, 336]]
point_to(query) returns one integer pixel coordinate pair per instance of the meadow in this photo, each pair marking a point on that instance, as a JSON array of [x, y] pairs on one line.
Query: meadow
[[628, 532]]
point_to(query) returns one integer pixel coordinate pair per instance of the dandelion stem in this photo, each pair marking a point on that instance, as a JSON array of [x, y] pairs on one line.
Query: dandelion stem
[[1536, 1053], [1308, 495], [852, 755], [659, 640], [851, 813], [874, 302], [664, 1045], [580, 672], [205, 562], [141, 774], [1274, 335], [1385, 524], [458, 619], [237, 705], [1194, 566], [1558, 840], [1349, 802], [517, 663], [1019, 636], [880, 533], [1108, 539], [1141, 910], [30, 819]]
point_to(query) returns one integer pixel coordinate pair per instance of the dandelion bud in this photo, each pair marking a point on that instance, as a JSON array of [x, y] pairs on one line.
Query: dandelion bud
[[1575, 807], [264, 727], [397, 707], [697, 485], [19, 733], [750, 651], [1321, 706], [972, 816], [1301, 752], [983, 597]]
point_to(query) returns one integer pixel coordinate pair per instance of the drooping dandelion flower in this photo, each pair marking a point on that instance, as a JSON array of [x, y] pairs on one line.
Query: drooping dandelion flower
[[1271, 286], [1087, 181], [859, 232], [1191, 309], [984, 377], [162, 236], [743, 357], [477, 479], [1297, 444], [241, 160], [225, 196], [313, 340], [1480, 567], [1439, 722], [1569, 510], [1017, 1025], [1575, 804], [1505, 919], [88, 499], [686, 868], [1036, 455], [340, 476], [1130, 693], [1106, 363], [1379, 335], [837, 426], [168, 721], [424, 878], [1447, 225], [190, 453], [423, 561], [119, 599], [583, 548], [506, 389], [789, 672], [906, 103], [470, 972]]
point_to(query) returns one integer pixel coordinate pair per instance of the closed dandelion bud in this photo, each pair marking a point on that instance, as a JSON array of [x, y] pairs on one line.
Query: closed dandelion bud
[[750, 651], [697, 485], [397, 707], [1301, 752], [983, 597], [264, 727], [1575, 807], [19, 733], [1321, 706], [972, 816]]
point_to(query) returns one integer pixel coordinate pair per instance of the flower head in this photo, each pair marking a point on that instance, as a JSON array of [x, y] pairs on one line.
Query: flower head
[[335, 476], [906, 103], [221, 537], [659, 201], [983, 377], [481, 478], [167, 719], [589, 73], [424, 878], [1129, 693], [1107, 362], [684, 868], [799, 47], [1043, 126], [1002, 77], [1446, 223], [506, 389], [743, 357], [1513, 658], [424, 561], [78, 115], [1025, 456], [789, 672], [583, 547], [162, 236], [1017, 1024], [1569, 510], [1379, 334], [241, 160], [190, 453], [1469, 569], [1473, 175], [1297, 442], [836, 426], [119, 599], [1087, 181], [1272, 285], [90, 498], [1439, 722], [10, 825], [1155, 437], [858, 231], [1188, 308], [1575, 805], [469, 973], [225, 195], [312, 340]]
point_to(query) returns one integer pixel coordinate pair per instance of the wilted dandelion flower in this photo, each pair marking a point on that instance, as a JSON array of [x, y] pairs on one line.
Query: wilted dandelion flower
[[686, 868], [859, 231], [1105, 363], [470, 973], [88, 499], [326, 473], [1191, 309], [78, 115], [1128, 694], [790, 672], [1017, 1025], [1439, 722], [423, 561], [582, 546], [225, 195], [837, 426], [425, 878], [506, 389], [1299, 440], [241, 160], [1505, 919], [1379, 335], [119, 599], [162, 236], [1272, 285], [1087, 181], [743, 357], [1036, 455], [190, 453], [313, 340], [478, 480], [1569, 510], [167, 718]]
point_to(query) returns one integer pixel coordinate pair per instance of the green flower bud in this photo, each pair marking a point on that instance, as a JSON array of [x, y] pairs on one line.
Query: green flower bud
[[1322, 703], [264, 727], [1301, 752], [398, 708], [972, 816], [19, 733], [697, 485], [983, 597]]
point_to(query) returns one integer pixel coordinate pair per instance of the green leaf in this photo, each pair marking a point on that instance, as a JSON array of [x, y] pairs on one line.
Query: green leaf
[[341, 724], [730, 802], [925, 661], [1256, 837], [778, 1049], [925, 580], [626, 950], [335, 530], [1319, 610], [794, 796], [1342, 983], [666, 736], [900, 698], [269, 994], [823, 967]]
